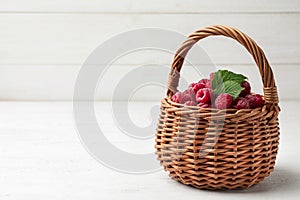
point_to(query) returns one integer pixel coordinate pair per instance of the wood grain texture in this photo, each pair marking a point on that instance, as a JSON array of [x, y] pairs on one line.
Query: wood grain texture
[[57, 82], [151, 6], [42, 158], [70, 38], [40, 40]]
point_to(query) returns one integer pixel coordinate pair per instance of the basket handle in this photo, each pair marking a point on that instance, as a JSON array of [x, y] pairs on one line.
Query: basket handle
[[270, 90]]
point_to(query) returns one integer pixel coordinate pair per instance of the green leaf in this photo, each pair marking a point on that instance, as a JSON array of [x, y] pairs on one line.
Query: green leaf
[[230, 87], [218, 88], [233, 88], [227, 75], [225, 81], [217, 80]]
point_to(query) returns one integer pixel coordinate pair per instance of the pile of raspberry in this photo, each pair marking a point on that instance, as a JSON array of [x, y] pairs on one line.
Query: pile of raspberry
[[201, 94]]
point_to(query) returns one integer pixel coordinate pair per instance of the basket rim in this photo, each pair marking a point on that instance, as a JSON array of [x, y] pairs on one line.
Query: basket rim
[[180, 105]]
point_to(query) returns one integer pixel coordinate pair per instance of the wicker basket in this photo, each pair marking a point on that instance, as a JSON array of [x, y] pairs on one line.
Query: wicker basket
[[219, 149]]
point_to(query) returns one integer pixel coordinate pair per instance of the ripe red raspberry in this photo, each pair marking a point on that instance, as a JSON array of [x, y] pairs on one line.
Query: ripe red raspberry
[[223, 101], [204, 81], [255, 101], [211, 75], [180, 97], [259, 100], [234, 102], [203, 95], [242, 103], [247, 88], [208, 84], [196, 86], [251, 99], [190, 92], [204, 105], [190, 103]]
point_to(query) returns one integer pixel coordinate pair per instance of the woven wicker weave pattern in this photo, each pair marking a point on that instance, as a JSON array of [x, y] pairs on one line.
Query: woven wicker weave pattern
[[219, 149]]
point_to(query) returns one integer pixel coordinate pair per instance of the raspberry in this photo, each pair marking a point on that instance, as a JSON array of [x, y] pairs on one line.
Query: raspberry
[[259, 100], [211, 75], [203, 95], [255, 101], [251, 99], [204, 81], [180, 97], [242, 103], [234, 102], [190, 103], [190, 92], [208, 84], [175, 97], [247, 88], [196, 86], [223, 101], [204, 105]]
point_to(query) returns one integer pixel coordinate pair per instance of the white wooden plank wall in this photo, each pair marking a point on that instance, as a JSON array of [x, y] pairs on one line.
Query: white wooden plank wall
[[44, 43]]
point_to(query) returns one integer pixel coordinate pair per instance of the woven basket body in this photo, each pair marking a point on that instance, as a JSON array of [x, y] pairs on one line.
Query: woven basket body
[[219, 149]]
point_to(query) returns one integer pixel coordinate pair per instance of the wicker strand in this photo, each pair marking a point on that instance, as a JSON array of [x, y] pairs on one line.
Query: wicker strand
[[173, 80], [271, 95]]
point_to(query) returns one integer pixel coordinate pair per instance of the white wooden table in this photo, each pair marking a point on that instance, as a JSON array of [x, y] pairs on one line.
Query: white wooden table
[[42, 158]]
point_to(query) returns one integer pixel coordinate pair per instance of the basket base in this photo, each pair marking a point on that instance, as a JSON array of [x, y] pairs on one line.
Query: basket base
[[233, 185]]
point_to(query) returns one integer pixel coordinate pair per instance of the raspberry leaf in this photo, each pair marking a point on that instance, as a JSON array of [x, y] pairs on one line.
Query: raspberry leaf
[[230, 87], [216, 81], [233, 88], [225, 81], [227, 75]]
